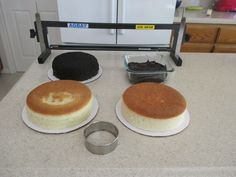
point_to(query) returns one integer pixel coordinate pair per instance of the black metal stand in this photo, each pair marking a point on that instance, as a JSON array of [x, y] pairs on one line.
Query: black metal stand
[[41, 31]]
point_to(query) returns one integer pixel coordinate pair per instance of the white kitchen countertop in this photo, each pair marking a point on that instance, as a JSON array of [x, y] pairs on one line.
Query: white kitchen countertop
[[206, 148], [199, 16]]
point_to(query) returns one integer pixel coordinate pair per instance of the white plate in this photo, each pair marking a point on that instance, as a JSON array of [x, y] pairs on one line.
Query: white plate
[[54, 78], [152, 133], [66, 130]]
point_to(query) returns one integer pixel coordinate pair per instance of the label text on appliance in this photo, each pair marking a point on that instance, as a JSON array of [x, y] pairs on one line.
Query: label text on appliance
[[77, 25], [145, 27]]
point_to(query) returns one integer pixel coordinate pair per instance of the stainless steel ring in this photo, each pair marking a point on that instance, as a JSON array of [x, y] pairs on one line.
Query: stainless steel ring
[[101, 126]]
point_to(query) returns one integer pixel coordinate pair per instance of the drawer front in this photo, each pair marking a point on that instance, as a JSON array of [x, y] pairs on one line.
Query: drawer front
[[227, 34], [202, 33], [197, 47], [225, 48]]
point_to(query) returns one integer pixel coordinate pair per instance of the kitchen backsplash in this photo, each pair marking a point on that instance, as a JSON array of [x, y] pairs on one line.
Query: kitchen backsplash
[[204, 3]]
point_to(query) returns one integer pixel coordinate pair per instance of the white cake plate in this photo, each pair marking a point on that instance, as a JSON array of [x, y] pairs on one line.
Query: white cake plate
[[152, 133], [54, 78], [37, 128]]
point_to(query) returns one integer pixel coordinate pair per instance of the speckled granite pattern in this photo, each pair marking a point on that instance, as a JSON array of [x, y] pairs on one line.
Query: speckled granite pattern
[[206, 148]]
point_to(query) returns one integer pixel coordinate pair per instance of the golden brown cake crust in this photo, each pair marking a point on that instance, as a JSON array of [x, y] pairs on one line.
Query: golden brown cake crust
[[162, 101], [58, 97]]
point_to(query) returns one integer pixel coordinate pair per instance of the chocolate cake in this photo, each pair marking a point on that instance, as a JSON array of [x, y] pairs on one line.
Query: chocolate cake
[[146, 66], [75, 66], [149, 71]]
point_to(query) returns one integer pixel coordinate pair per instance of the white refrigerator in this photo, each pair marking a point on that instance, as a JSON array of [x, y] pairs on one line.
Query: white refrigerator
[[116, 11]]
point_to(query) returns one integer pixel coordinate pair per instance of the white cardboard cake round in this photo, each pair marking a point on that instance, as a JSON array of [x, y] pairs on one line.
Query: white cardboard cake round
[[153, 109], [177, 130], [59, 106], [37, 128]]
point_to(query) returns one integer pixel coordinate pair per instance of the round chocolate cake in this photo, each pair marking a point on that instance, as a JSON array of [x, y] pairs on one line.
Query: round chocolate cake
[[75, 66]]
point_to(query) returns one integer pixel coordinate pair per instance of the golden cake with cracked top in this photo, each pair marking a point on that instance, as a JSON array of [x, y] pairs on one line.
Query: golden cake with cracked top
[[152, 106], [59, 104]]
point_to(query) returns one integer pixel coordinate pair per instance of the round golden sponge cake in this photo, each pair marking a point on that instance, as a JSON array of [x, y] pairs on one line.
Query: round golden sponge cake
[[59, 104], [152, 106]]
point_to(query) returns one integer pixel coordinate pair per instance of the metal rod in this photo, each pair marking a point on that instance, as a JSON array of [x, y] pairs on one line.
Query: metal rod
[[66, 24], [174, 49], [107, 47], [177, 43], [180, 36], [40, 33]]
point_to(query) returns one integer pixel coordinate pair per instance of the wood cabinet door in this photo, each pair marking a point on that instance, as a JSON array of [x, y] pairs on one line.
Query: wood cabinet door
[[202, 33], [225, 48], [227, 34], [197, 47]]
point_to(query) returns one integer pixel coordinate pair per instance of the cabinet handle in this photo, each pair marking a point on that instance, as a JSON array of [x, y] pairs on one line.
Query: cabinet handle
[[187, 37], [122, 14], [113, 15]]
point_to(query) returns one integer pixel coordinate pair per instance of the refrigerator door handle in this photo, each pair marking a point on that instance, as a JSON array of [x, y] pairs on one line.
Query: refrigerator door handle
[[113, 15], [122, 14]]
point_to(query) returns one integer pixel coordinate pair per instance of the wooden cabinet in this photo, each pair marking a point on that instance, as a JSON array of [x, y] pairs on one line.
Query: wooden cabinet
[[227, 35], [197, 47], [210, 38], [202, 33], [224, 48], [226, 39]]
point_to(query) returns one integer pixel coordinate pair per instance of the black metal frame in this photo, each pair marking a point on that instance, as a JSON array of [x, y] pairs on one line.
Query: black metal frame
[[41, 31]]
